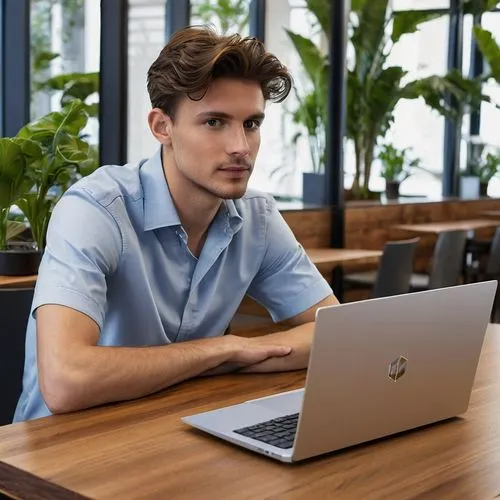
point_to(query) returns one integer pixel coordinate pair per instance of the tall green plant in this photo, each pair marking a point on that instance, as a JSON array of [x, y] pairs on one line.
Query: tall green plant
[[63, 154], [373, 87]]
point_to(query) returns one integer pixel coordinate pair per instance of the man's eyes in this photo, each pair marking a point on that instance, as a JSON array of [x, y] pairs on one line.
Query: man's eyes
[[248, 124], [214, 122], [252, 124]]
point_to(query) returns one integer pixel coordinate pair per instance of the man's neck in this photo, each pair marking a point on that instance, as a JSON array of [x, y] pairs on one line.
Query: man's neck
[[196, 209]]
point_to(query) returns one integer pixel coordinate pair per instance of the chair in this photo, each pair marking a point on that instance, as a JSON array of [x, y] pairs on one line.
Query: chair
[[447, 263], [493, 265], [15, 305], [393, 274], [490, 271]]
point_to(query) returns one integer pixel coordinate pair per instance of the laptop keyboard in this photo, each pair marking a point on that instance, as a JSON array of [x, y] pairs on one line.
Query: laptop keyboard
[[279, 432]]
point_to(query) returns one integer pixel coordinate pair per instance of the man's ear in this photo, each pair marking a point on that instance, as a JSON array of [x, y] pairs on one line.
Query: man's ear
[[160, 125]]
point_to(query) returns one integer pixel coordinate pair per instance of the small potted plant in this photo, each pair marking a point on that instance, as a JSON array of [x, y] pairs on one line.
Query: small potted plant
[[396, 167], [36, 167], [483, 163], [487, 168]]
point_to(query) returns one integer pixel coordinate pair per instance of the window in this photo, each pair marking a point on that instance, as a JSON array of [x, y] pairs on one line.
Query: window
[[146, 39], [490, 115], [416, 126], [283, 154], [64, 50], [226, 17]]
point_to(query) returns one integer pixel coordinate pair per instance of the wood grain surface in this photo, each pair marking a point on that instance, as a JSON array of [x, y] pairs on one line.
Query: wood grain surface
[[141, 449]]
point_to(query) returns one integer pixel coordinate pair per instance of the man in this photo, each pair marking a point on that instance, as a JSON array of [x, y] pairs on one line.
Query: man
[[146, 264]]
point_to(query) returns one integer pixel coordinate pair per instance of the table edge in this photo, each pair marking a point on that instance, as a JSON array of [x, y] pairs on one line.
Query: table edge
[[22, 484]]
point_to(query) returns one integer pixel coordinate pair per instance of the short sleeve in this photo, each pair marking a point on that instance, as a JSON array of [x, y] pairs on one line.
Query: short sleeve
[[84, 246], [287, 283]]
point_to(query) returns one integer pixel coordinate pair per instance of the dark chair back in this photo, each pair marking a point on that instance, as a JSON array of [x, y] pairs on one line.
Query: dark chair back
[[493, 265], [15, 305], [395, 268], [447, 259]]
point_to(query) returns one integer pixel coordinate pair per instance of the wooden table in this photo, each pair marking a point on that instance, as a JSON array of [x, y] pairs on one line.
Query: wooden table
[[491, 213], [325, 259], [456, 225], [331, 257], [17, 281], [142, 449]]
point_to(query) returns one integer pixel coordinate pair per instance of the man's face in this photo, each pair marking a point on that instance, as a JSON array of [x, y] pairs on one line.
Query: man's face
[[214, 141]]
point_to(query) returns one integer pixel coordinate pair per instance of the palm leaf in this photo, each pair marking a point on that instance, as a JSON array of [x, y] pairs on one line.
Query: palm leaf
[[471, 6], [14, 228], [321, 9], [490, 50], [311, 57], [405, 22], [368, 38]]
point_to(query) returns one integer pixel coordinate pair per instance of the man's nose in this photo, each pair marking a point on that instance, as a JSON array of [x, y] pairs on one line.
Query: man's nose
[[238, 142]]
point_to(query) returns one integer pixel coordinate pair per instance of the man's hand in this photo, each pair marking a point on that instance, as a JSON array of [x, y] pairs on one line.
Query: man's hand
[[247, 352], [299, 337]]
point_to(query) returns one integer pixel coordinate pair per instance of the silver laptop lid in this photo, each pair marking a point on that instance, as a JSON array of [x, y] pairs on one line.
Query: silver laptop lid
[[386, 365]]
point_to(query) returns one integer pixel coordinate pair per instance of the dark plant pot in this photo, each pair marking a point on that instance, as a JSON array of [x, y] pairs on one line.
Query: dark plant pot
[[483, 189], [20, 259], [313, 188], [392, 190]]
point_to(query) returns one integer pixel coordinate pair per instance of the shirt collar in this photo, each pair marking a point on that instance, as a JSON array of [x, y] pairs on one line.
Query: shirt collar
[[234, 218], [159, 209]]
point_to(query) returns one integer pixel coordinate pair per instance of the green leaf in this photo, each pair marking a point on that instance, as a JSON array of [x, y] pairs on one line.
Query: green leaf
[[311, 57], [435, 89], [405, 22], [471, 6], [42, 60], [358, 5], [368, 38], [490, 50], [13, 167], [321, 9], [383, 93], [14, 228], [47, 129]]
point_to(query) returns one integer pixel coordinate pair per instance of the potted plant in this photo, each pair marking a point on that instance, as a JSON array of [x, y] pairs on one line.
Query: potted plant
[[396, 167], [487, 170], [37, 166], [16, 155], [373, 87], [311, 113]]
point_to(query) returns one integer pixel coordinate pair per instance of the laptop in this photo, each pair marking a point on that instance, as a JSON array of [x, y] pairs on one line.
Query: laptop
[[377, 367]]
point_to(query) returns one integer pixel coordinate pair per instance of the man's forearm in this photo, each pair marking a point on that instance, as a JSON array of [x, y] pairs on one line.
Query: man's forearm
[[105, 374]]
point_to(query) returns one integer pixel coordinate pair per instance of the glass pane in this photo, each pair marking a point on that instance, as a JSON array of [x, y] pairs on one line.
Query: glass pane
[[146, 27], [284, 154], [65, 57], [490, 115], [227, 17], [416, 126]]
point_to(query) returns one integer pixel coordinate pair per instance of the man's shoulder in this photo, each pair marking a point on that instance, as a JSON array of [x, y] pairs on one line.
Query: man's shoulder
[[110, 182]]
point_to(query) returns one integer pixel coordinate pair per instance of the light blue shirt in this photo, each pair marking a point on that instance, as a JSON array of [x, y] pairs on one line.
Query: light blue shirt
[[117, 252]]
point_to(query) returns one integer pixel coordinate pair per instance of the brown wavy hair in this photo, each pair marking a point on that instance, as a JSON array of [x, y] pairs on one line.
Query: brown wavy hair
[[197, 55]]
